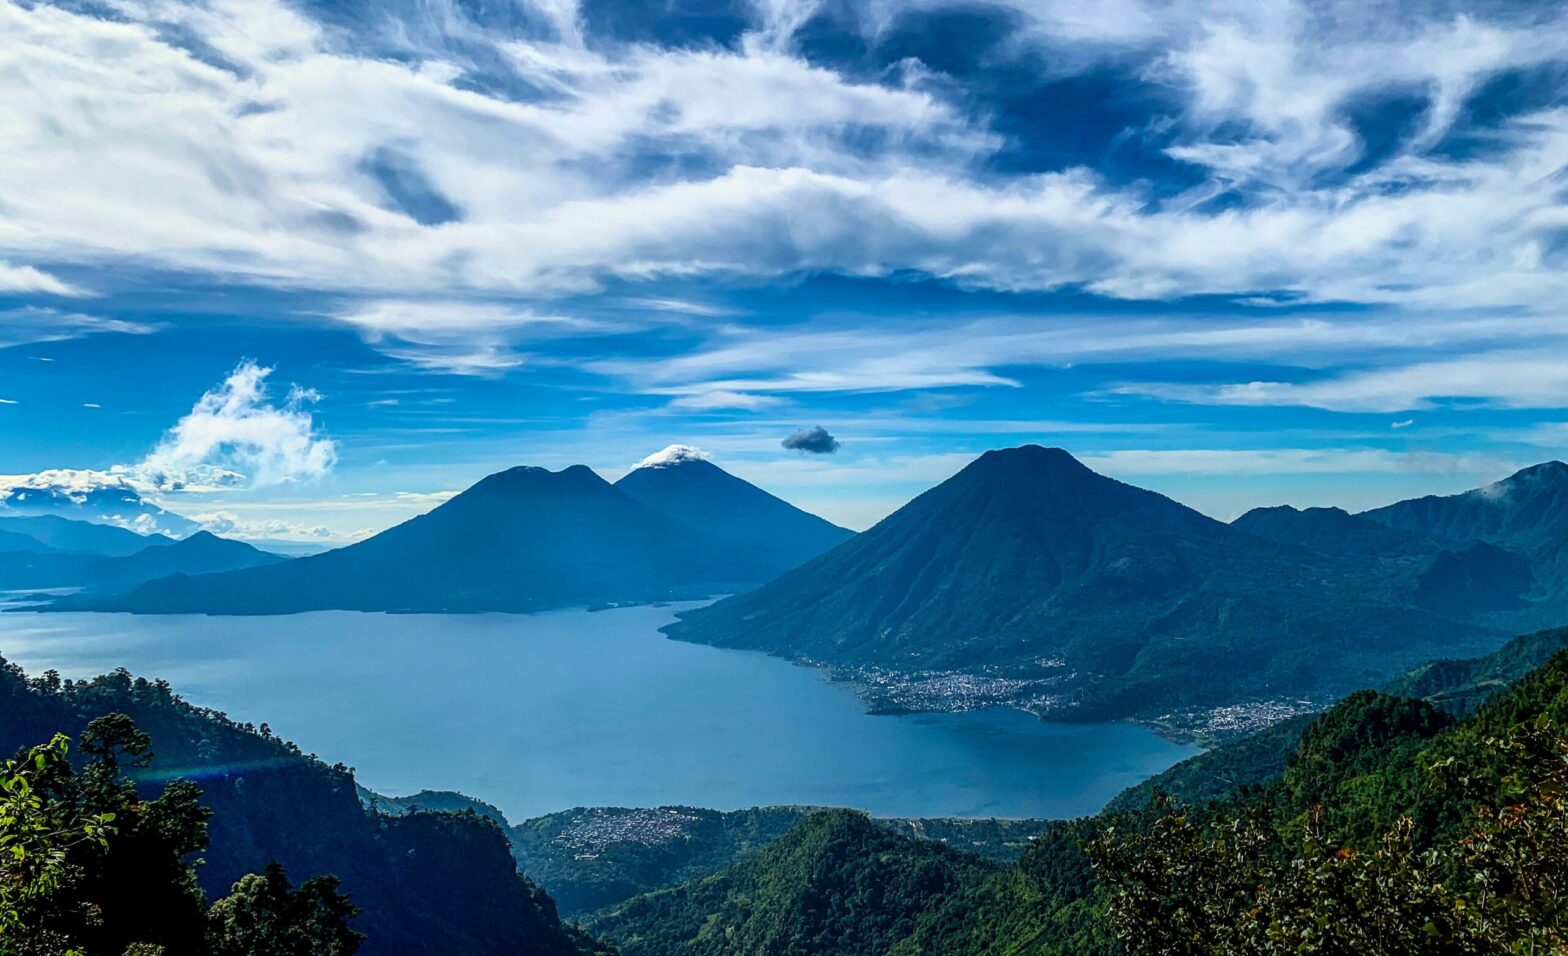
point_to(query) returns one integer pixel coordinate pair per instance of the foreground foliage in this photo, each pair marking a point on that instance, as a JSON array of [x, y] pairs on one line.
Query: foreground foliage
[[1389, 833], [87, 866]]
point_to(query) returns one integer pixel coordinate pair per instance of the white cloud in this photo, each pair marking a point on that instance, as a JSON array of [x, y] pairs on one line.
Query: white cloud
[[460, 337], [15, 278], [122, 146], [234, 435], [739, 364], [29, 325], [672, 455], [229, 524], [1537, 378], [719, 399], [1288, 461], [73, 483]]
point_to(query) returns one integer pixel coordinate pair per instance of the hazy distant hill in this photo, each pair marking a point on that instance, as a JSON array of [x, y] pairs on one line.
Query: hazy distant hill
[[15, 541], [680, 484], [201, 553], [523, 539], [1026, 555], [68, 534]]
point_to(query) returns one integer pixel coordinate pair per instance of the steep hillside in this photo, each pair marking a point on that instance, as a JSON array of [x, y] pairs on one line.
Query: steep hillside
[[591, 858], [836, 883], [1459, 686], [1525, 510]]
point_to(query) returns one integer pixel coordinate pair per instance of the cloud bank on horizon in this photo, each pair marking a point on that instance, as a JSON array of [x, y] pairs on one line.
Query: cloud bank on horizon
[[1209, 238]]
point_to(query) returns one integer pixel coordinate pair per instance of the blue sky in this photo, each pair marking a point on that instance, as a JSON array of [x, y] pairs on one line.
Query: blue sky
[[301, 269]]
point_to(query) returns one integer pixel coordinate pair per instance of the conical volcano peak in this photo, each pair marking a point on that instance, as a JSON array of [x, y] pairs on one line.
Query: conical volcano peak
[[1029, 462], [1038, 456], [1030, 469]]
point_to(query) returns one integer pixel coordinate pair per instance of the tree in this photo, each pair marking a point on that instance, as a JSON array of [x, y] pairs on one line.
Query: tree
[[266, 916], [37, 838], [1233, 886], [89, 866]]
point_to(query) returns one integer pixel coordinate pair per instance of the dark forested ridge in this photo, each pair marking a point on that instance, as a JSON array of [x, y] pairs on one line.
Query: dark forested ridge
[[590, 858], [1525, 510], [425, 883], [91, 865], [1028, 563], [835, 883], [1461, 685], [1457, 686]]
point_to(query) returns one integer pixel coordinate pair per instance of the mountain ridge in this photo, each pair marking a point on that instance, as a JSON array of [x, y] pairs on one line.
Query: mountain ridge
[[522, 539], [1027, 555]]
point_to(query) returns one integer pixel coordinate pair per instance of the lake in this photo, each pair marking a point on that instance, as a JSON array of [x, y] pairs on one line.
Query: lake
[[545, 712]]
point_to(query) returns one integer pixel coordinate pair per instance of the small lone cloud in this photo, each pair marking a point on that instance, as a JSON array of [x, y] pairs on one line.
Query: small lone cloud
[[1404, 424], [812, 441]]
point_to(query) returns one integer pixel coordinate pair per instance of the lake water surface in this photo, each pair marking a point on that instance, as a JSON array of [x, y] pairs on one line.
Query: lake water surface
[[544, 712]]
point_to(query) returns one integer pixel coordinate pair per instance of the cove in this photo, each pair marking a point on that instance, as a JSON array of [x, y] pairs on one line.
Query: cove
[[543, 712]]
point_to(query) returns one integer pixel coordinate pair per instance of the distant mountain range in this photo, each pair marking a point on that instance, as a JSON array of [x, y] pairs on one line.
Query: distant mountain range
[[27, 563], [529, 539], [1029, 564], [71, 534], [1107, 600]]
